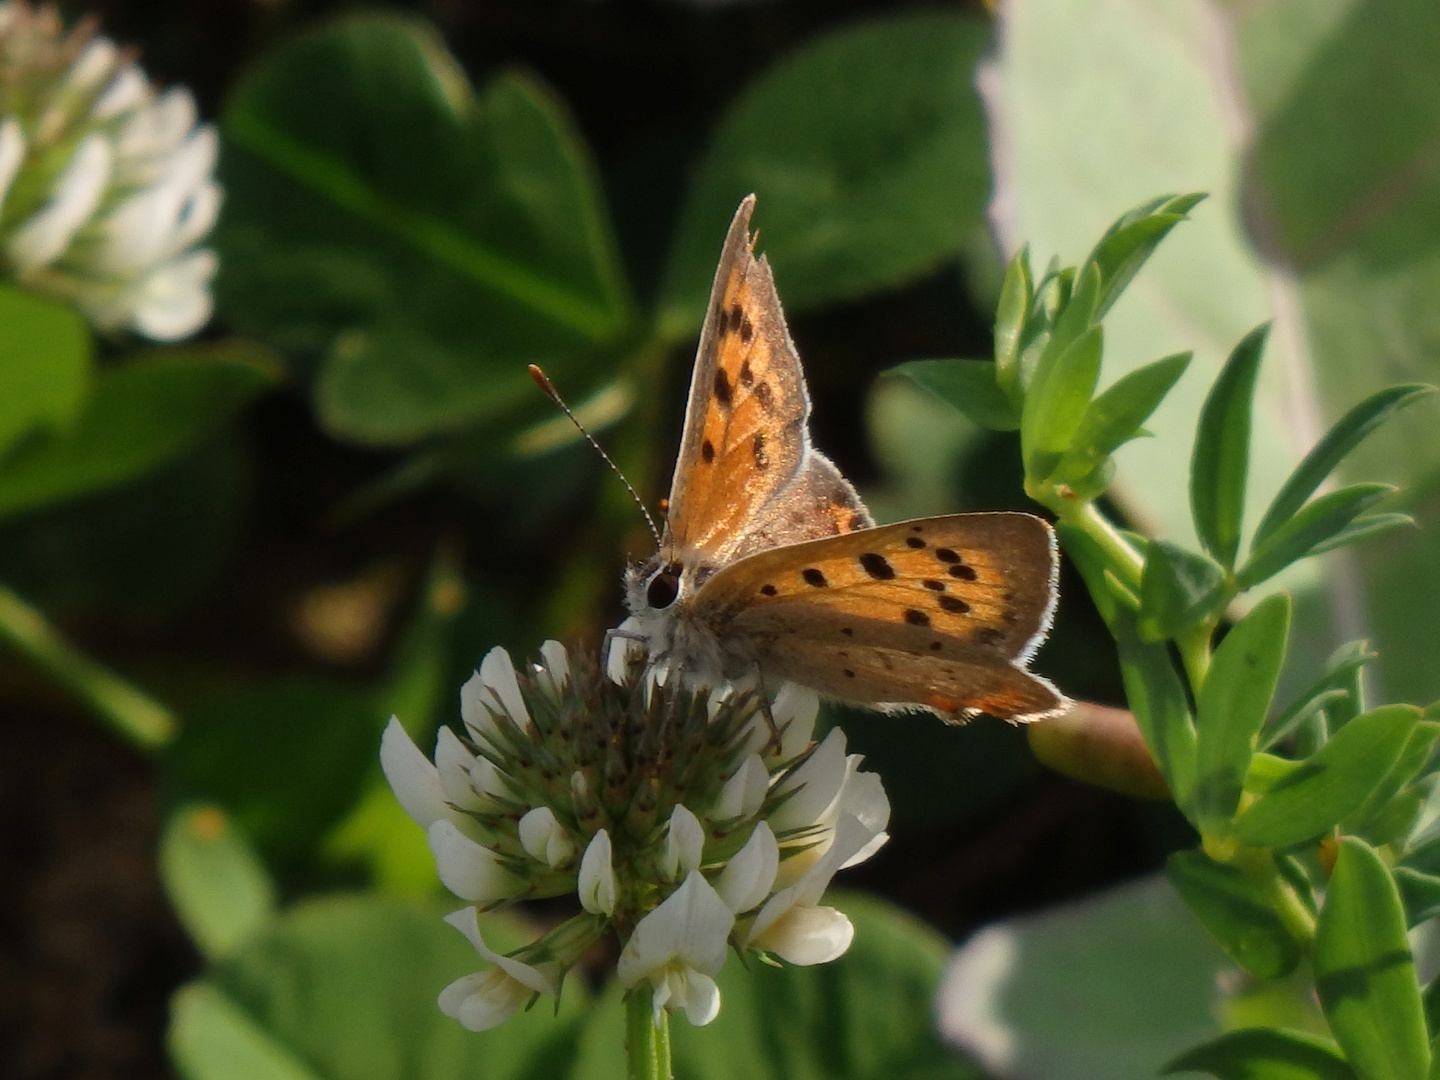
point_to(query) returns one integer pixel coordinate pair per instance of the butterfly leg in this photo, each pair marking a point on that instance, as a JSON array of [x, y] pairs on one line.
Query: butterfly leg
[[773, 746], [626, 658]]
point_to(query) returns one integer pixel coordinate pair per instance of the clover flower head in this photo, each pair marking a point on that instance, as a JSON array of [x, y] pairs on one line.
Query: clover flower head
[[106, 184], [687, 821]]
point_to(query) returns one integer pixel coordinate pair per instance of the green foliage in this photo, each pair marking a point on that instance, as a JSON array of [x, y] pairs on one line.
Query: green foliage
[[346, 986], [425, 241], [1237, 912], [1364, 973], [45, 365], [866, 151], [1266, 819], [868, 1014], [1265, 1054], [218, 886], [142, 414]]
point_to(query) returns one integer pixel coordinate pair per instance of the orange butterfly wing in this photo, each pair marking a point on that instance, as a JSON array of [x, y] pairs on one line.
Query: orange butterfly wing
[[745, 449], [941, 612]]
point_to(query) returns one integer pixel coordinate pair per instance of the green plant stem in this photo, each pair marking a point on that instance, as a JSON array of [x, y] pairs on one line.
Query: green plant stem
[[1289, 907], [141, 720], [1126, 563], [1194, 649], [647, 1043]]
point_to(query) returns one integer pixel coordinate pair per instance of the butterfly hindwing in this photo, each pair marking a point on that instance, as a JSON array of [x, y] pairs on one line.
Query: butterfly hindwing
[[745, 437], [962, 596]]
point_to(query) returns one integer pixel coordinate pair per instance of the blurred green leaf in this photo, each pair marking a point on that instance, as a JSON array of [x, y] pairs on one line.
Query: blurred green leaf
[[286, 761], [347, 985], [1236, 912], [1315, 528], [1056, 401], [1420, 894], [1094, 111], [1347, 433], [1157, 697], [213, 1038], [1332, 783], [428, 242], [1232, 704], [142, 414], [1128, 244], [217, 885], [1115, 416], [45, 359], [967, 385], [867, 151], [1265, 1054], [1108, 988], [1178, 590], [1220, 465], [868, 1014], [1364, 972]]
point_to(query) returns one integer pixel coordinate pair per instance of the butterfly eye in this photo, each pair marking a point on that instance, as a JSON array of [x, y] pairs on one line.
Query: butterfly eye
[[664, 587]]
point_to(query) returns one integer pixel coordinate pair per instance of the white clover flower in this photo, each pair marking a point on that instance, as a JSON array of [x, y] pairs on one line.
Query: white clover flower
[[680, 948], [488, 998], [106, 185], [685, 820]]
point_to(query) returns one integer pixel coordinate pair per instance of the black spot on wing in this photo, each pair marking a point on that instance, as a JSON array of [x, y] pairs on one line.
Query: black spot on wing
[[955, 604], [764, 395], [965, 573], [747, 331], [916, 617], [933, 585], [707, 451], [723, 392], [914, 542], [990, 635], [768, 590], [747, 377], [813, 576], [877, 566], [947, 555]]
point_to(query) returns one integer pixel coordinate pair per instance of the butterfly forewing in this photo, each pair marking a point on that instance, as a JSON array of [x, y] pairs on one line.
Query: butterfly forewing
[[745, 423]]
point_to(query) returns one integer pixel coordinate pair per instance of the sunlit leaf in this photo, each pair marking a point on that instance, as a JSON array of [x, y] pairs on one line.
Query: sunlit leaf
[[45, 358], [1220, 465], [218, 887], [1364, 972], [1236, 912]]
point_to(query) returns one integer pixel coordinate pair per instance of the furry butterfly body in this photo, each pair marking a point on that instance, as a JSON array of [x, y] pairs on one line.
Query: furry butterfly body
[[771, 565]]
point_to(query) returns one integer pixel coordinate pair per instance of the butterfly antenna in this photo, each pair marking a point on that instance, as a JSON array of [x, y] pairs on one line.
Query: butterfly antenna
[[543, 381]]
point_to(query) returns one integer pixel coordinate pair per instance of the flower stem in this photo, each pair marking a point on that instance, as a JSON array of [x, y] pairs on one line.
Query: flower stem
[[1126, 563], [143, 721], [647, 1041]]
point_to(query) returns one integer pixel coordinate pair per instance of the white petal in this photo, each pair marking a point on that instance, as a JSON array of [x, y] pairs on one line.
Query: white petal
[[483, 1000], [46, 235], [497, 675], [452, 762], [542, 980], [128, 90], [545, 839], [794, 710], [863, 797], [807, 935], [468, 870], [597, 876], [476, 703], [554, 672], [702, 998], [92, 67], [690, 927], [12, 154], [487, 780], [744, 793], [684, 843], [173, 300], [748, 878], [412, 778], [816, 784]]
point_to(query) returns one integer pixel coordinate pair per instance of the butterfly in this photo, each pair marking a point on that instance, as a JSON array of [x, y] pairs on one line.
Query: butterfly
[[771, 566]]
